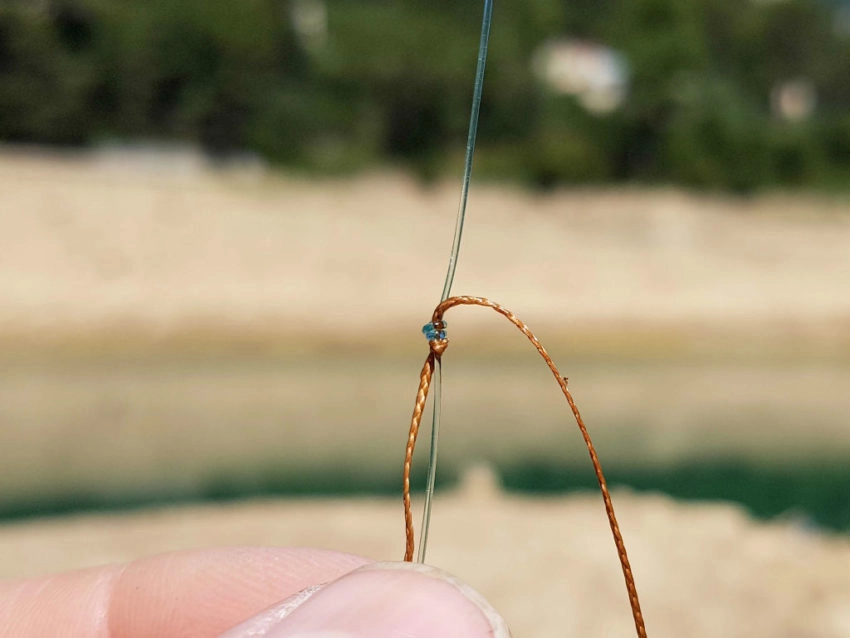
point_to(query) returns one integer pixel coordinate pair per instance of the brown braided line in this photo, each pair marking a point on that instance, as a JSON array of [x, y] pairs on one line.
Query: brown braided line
[[437, 349]]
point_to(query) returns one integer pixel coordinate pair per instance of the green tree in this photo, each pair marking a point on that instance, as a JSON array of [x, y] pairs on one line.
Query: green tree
[[44, 87]]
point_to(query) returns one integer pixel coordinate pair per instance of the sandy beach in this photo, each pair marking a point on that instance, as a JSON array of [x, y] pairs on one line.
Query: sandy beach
[[167, 246]]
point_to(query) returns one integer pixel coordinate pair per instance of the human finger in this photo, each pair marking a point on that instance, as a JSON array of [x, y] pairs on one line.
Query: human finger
[[381, 600], [187, 594]]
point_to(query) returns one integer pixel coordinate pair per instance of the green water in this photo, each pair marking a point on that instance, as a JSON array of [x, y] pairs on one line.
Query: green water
[[816, 494]]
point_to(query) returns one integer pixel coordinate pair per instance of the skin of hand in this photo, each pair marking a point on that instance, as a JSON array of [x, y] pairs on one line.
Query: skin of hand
[[242, 592]]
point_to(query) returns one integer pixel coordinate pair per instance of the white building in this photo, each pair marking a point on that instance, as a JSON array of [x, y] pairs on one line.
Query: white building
[[595, 74]]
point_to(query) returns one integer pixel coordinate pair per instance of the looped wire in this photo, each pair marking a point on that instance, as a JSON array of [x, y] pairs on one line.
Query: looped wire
[[436, 334]]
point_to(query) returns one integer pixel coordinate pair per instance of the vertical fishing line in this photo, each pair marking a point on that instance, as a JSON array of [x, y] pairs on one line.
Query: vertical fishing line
[[450, 273], [430, 379], [470, 145]]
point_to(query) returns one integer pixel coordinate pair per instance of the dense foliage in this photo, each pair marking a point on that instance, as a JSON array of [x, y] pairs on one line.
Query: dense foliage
[[390, 80]]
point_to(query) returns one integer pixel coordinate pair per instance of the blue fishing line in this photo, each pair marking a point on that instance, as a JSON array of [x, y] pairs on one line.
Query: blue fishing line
[[450, 274]]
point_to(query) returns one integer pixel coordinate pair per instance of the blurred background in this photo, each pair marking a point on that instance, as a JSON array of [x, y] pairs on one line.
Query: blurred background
[[706, 93], [222, 225]]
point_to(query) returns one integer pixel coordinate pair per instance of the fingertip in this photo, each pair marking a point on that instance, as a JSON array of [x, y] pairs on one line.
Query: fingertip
[[379, 601]]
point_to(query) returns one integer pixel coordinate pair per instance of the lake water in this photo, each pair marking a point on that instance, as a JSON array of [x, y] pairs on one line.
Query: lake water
[[81, 432]]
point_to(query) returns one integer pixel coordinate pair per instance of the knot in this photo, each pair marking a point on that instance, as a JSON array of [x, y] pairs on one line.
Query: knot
[[435, 333], [439, 347]]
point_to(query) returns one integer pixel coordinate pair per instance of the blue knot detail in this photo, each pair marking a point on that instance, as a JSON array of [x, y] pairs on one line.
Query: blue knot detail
[[435, 331]]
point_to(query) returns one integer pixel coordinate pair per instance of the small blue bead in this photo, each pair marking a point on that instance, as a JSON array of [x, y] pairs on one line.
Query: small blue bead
[[434, 331]]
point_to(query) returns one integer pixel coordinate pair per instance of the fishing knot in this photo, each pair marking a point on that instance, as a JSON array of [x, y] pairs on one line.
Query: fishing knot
[[435, 333]]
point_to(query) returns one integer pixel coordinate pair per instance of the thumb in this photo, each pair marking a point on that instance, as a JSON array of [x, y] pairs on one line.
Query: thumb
[[380, 600]]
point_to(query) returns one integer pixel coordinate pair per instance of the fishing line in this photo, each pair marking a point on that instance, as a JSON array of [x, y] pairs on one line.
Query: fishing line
[[450, 273], [430, 379]]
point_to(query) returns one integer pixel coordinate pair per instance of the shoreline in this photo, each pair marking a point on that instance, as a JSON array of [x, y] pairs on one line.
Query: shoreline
[[144, 252]]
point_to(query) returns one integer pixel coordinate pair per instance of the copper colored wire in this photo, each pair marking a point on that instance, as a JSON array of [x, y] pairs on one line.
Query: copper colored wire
[[438, 346]]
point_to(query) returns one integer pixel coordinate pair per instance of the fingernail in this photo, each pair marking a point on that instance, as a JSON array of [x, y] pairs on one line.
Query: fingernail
[[261, 624], [381, 600]]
